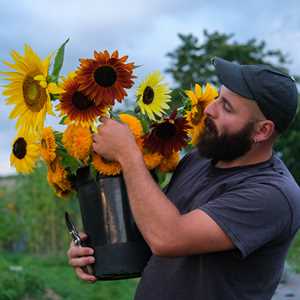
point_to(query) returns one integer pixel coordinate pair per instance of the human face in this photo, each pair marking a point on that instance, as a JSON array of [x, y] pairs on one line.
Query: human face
[[229, 127]]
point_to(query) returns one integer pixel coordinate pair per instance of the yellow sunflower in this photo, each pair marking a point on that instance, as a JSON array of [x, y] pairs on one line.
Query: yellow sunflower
[[48, 145], [107, 168], [133, 123], [76, 105], [152, 160], [77, 140], [25, 152], [153, 95], [168, 164], [28, 89], [200, 99], [105, 77]]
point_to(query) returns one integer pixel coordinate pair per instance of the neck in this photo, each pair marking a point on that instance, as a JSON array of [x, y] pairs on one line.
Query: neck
[[256, 154]]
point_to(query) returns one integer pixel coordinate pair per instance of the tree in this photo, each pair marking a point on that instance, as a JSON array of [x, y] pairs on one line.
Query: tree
[[191, 60], [191, 63]]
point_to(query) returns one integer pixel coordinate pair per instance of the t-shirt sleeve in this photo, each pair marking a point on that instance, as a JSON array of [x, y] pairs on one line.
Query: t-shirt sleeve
[[251, 215]]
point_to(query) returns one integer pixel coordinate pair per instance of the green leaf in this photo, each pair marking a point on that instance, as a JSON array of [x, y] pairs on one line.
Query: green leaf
[[62, 120], [58, 61]]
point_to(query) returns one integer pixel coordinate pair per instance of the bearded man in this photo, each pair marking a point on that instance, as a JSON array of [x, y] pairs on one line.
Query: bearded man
[[222, 228]]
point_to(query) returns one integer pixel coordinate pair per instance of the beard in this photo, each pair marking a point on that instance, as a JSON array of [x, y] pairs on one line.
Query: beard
[[224, 147]]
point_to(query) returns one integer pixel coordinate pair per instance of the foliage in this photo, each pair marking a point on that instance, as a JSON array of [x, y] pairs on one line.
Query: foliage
[[17, 281], [191, 60], [59, 279], [33, 217]]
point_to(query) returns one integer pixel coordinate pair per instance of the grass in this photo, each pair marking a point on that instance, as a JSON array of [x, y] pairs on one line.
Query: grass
[[27, 277], [52, 278]]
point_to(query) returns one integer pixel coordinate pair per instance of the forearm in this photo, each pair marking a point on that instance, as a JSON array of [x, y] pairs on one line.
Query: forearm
[[154, 213]]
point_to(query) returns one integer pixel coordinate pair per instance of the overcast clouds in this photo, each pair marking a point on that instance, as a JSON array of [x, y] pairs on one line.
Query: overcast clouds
[[144, 30]]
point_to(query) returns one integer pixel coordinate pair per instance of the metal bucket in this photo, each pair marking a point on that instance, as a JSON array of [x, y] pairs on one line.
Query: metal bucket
[[120, 250]]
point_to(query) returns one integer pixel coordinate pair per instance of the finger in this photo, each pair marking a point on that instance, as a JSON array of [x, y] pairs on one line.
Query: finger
[[103, 119], [95, 136], [81, 261], [84, 276], [83, 236], [76, 251]]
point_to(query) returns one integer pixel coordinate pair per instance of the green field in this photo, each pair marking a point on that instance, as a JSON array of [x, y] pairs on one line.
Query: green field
[[25, 277]]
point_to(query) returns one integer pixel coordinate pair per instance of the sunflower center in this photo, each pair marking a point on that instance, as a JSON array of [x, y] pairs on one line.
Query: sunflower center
[[81, 102], [19, 148], [34, 95], [196, 117], [105, 76], [148, 95], [166, 131]]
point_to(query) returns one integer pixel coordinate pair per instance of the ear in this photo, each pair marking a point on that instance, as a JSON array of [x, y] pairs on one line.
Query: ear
[[263, 130]]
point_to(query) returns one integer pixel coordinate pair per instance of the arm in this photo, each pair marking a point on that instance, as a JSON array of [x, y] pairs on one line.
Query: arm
[[167, 232]]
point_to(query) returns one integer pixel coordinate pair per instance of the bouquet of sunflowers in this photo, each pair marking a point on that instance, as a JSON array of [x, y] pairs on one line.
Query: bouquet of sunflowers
[[162, 128]]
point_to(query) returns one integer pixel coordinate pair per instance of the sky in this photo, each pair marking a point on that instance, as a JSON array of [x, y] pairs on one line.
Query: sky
[[144, 30]]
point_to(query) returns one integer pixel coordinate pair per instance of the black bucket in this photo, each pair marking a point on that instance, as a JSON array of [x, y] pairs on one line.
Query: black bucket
[[120, 250]]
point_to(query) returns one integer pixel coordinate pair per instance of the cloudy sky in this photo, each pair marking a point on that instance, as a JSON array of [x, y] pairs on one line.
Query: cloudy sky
[[143, 29]]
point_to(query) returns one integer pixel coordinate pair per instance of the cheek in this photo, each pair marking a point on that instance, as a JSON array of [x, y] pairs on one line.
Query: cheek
[[229, 124]]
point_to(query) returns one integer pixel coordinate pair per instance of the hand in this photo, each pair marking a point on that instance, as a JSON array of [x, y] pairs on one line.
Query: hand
[[114, 140], [80, 257]]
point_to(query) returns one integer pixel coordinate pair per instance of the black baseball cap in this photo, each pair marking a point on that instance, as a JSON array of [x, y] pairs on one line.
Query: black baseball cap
[[274, 92]]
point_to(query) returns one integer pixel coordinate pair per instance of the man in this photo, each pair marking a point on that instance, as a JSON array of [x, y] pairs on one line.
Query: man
[[223, 227]]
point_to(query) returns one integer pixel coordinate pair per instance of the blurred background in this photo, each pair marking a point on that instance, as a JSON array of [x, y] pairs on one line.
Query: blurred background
[[177, 37]]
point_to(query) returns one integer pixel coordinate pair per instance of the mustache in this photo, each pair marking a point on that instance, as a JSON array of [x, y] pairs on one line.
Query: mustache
[[210, 125]]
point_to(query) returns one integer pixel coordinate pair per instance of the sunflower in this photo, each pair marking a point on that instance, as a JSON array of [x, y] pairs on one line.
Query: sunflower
[[199, 101], [25, 151], [133, 123], [168, 164], [167, 136], [153, 95], [77, 140], [58, 177], [48, 145], [105, 77], [108, 168], [28, 89], [152, 160], [61, 193], [76, 105]]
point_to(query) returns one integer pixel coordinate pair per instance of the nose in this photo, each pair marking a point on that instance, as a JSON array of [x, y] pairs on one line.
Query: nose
[[210, 110]]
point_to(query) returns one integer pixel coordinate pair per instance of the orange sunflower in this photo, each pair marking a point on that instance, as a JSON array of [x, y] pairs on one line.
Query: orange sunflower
[[167, 136], [168, 164], [58, 178], [133, 123], [152, 160], [105, 167], [105, 77], [76, 105], [200, 99], [48, 145], [78, 141]]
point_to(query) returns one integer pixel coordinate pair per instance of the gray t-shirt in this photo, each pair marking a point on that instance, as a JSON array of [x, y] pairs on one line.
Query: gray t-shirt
[[257, 206]]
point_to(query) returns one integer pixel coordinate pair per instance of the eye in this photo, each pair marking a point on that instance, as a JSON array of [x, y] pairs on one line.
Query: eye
[[226, 105]]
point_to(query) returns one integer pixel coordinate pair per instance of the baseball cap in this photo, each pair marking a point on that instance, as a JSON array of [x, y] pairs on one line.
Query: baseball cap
[[274, 92]]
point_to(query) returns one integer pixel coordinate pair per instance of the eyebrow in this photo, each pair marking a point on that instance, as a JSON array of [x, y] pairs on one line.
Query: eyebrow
[[227, 102]]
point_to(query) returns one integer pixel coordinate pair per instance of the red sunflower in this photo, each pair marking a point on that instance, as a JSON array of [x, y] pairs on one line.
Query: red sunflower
[[105, 77], [167, 136], [76, 105]]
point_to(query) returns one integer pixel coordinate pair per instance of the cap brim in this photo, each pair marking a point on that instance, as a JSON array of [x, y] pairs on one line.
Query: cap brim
[[231, 76]]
